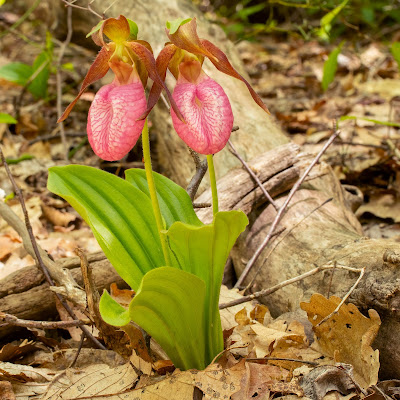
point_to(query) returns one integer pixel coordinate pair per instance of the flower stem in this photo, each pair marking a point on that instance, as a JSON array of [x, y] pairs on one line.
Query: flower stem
[[153, 192], [213, 183]]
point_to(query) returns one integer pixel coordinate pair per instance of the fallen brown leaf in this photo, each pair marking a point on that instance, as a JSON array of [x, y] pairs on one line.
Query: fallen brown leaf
[[346, 336]]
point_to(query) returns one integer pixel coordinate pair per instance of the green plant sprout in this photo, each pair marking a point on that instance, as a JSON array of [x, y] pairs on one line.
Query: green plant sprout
[[145, 223]]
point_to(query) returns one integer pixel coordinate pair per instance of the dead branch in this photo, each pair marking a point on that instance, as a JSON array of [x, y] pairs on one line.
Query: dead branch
[[9, 319]]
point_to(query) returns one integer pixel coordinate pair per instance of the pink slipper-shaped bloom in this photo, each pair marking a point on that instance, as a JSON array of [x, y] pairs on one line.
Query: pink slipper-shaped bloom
[[207, 113], [113, 122]]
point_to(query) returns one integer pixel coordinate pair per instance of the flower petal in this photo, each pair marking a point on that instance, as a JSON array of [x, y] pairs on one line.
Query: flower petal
[[186, 38], [208, 115], [150, 63], [162, 62], [96, 71], [116, 29], [222, 63], [113, 127]]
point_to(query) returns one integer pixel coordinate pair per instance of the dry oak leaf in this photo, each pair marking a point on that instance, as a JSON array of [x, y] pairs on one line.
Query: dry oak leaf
[[100, 381], [346, 335]]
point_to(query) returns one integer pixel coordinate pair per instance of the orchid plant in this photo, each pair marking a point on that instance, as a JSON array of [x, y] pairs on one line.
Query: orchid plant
[[146, 224]]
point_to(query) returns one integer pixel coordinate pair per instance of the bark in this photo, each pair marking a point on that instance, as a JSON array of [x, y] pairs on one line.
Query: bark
[[25, 295]]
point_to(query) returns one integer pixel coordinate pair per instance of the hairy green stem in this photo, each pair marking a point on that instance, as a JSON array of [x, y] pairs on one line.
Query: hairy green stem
[[213, 183], [153, 192]]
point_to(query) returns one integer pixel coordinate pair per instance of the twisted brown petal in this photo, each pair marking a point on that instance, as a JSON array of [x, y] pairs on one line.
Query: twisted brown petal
[[147, 58], [96, 71]]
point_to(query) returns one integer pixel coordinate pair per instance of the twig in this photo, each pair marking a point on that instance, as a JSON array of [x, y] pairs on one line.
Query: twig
[[59, 81], [201, 169], [9, 319], [252, 174], [37, 254], [56, 136], [201, 205], [282, 359], [78, 351], [362, 272], [279, 215], [88, 8], [273, 289]]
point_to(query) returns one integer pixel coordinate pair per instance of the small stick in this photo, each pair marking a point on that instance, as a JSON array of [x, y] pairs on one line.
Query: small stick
[[9, 319], [282, 359], [59, 81], [201, 169], [273, 289], [88, 8], [362, 272], [279, 215], [56, 136], [252, 174], [37, 253]]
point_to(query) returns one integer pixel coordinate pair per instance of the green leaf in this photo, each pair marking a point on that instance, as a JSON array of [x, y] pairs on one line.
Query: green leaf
[[169, 306], [203, 251], [7, 119], [134, 30], [175, 203], [119, 214], [174, 25], [330, 67], [375, 121], [68, 66], [395, 49], [95, 29], [41, 66], [327, 19], [16, 72], [112, 312], [2, 2], [23, 157]]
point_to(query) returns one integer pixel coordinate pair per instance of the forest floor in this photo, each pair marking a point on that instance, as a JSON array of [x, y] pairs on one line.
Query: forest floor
[[287, 73]]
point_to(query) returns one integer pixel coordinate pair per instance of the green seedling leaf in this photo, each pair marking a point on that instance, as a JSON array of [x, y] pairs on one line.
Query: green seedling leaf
[[23, 157], [112, 312], [68, 66], [7, 119], [16, 72], [134, 30], [169, 305], [395, 49], [173, 26], [95, 29], [41, 65], [119, 214], [203, 251], [375, 121], [327, 19], [175, 203], [2, 2], [330, 67]]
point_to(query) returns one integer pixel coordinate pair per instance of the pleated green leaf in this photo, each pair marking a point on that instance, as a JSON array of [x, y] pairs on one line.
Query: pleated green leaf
[[119, 214], [112, 312], [169, 306], [203, 251], [175, 203]]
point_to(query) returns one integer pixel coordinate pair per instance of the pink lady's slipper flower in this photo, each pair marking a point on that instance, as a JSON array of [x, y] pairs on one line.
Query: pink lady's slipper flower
[[207, 114], [116, 116]]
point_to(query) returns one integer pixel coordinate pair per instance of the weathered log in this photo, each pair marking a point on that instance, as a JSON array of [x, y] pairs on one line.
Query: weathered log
[[30, 298]]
